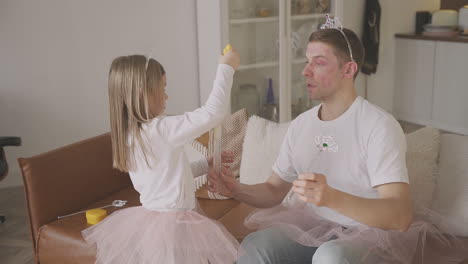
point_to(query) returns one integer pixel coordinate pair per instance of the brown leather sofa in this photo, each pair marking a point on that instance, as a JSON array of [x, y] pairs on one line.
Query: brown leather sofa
[[78, 177]]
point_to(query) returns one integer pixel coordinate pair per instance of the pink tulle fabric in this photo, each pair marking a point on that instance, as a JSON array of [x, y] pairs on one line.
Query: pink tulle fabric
[[138, 235], [427, 241]]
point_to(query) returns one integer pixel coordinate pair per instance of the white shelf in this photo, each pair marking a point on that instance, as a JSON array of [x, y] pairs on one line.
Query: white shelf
[[254, 20], [258, 65], [299, 61], [223, 21], [308, 16], [268, 64]]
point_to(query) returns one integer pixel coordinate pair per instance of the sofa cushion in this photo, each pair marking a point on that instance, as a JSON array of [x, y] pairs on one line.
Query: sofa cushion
[[61, 242], [61, 181], [451, 194], [234, 221], [232, 137], [421, 161], [262, 143]]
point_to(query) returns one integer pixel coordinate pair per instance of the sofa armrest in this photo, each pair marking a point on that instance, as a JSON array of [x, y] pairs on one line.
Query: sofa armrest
[[68, 179]]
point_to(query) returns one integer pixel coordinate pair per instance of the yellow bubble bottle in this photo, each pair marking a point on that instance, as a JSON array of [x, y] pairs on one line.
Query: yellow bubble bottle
[[95, 216], [227, 48]]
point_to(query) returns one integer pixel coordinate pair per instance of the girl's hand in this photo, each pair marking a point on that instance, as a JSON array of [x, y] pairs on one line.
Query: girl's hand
[[226, 157], [223, 183], [231, 58]]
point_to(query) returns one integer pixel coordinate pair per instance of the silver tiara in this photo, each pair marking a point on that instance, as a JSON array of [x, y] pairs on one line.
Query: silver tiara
[[335, 23]]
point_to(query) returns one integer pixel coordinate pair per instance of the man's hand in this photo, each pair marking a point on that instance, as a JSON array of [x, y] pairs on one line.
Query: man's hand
[[224, 184], [391, 211], [313, 188], [226, 157]]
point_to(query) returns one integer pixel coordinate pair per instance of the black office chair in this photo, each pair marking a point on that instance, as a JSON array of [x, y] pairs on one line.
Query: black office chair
[[4, 142]]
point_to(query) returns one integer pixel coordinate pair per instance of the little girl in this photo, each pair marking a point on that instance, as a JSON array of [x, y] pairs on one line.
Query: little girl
[[150, 146]]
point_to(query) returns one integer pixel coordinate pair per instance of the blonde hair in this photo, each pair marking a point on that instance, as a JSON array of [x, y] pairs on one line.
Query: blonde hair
[[132, 80]]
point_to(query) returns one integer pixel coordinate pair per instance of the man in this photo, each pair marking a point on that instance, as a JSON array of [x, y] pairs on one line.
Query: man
[[345, 158]]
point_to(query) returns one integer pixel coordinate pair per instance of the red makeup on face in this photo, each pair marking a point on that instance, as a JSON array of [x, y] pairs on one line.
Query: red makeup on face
[[321, 71]]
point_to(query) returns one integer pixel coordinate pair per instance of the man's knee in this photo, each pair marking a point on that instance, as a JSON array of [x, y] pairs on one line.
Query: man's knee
[[259, 247], [262, 240], [336, 252], [272, 246]]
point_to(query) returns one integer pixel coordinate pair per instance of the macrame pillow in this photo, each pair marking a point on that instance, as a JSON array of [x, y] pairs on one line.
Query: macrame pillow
[[232, 138]]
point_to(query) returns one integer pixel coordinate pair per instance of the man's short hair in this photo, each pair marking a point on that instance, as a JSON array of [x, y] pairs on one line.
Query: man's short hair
[[335, 39]]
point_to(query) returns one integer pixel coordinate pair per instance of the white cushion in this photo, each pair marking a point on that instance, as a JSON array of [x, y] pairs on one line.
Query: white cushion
[[451, 193], [421, 161], [262, 143], [195, 151]]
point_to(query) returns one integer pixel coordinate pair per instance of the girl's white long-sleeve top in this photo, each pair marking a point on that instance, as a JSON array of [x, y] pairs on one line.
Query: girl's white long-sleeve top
[[166, 184]]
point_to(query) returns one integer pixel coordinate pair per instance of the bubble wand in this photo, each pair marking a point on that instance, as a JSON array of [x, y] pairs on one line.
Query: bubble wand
[[215, 143]]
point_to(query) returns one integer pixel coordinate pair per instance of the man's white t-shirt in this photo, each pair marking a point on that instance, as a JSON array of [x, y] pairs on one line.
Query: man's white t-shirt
[[361, 149]]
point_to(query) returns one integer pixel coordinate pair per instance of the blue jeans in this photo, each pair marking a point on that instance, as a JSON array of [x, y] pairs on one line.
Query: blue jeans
[[270, 246]]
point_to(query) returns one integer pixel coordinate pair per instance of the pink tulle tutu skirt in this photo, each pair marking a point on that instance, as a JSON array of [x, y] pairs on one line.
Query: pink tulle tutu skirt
[[137, 235], [427, 241]]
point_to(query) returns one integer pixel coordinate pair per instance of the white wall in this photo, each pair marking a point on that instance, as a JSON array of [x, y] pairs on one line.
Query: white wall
[[353, 17], [54, 59], [398, 16]]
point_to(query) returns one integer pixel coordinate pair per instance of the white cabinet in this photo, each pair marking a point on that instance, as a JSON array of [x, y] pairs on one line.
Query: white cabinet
[[271, 36], [450, 103], [430, 83], [414, 80]]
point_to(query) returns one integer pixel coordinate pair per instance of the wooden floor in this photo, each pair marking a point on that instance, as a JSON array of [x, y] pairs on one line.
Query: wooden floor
[[15, 240]]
